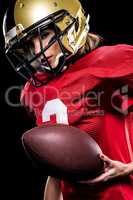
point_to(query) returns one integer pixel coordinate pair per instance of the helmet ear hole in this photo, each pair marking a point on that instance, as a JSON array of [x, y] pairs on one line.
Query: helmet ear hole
[[77, 24]]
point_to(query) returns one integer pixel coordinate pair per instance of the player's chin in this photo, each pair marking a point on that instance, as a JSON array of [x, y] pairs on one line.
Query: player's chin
[[53, 64]]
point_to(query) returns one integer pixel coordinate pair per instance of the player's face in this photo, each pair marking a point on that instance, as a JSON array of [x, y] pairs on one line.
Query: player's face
[[52, 53]]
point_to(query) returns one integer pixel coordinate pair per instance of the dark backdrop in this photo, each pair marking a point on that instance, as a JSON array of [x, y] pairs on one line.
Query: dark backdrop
[[111, 19]]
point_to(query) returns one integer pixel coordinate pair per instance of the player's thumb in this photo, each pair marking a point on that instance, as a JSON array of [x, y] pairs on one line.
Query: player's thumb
[[105, 158]]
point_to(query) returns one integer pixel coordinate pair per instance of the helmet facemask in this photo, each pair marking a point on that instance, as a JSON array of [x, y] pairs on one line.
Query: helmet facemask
[[20, 52]]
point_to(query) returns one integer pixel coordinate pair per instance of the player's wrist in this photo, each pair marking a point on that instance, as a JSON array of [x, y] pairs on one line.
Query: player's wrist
[[130, 168]]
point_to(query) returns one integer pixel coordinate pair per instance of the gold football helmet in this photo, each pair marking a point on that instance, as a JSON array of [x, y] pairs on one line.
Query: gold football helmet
[[23, 19]]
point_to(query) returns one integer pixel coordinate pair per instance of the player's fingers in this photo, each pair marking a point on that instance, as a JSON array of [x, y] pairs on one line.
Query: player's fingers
[[102, 178], [105, 158]]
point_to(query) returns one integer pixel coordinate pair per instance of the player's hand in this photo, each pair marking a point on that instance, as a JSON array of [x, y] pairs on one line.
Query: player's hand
[[112, 169]]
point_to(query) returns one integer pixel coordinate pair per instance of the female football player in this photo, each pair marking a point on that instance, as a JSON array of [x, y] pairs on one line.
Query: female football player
[[70, 80]]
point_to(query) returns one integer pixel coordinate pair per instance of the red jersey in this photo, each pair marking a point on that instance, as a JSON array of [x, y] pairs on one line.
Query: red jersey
[[96, 95]]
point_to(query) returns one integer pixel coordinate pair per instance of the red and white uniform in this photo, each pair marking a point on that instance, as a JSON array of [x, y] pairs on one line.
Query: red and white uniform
[[96, 95]]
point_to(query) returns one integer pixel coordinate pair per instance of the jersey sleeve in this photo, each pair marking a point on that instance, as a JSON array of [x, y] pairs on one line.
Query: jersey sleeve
[[25, 99], [114, 62]]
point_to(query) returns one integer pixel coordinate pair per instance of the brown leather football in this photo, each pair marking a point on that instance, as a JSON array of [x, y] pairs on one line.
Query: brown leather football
[[63, 151]]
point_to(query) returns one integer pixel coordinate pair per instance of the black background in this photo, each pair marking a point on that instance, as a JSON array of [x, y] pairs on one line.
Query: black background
[[111, 19]]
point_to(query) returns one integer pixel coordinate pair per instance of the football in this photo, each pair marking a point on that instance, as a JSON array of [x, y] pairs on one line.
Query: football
[[63, 151]]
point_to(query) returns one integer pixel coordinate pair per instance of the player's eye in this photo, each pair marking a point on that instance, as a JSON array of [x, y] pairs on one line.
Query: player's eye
[[45, 34]]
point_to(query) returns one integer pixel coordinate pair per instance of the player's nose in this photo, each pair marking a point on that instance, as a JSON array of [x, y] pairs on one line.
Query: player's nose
[[37, 45]]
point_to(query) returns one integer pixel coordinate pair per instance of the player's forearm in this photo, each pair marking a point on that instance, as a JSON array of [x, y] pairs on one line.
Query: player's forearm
[[52, 190]]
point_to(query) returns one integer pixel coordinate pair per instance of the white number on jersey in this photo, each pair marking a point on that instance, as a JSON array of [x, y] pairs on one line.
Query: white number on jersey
[[55, 107]]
